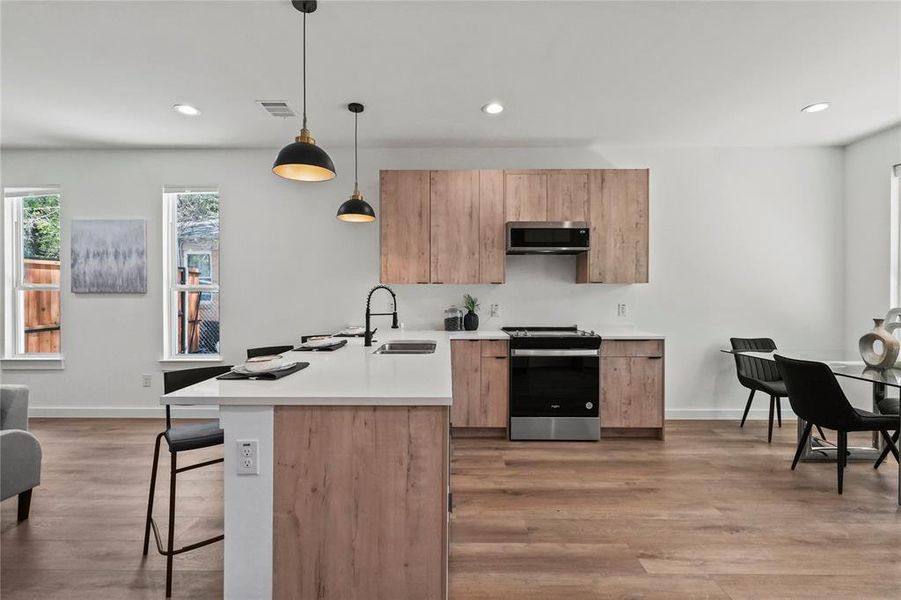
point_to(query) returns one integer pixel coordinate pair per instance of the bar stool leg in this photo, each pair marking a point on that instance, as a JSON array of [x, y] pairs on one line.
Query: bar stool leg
[[171, 542], [156, 459]]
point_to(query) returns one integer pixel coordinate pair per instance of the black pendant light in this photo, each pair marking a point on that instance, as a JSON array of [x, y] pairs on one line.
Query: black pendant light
[[303, 160], [356, 210]]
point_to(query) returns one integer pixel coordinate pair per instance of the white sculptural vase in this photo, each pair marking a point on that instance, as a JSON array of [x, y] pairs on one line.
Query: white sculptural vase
[[874, 356]]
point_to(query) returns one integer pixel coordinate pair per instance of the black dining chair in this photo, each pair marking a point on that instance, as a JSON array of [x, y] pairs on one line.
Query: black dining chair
[[816, 396], [888, 406], [267, 351], [759, 376], [181, 438]]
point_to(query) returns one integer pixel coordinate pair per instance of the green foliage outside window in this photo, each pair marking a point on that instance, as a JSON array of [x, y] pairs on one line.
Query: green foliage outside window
[[40, 227]]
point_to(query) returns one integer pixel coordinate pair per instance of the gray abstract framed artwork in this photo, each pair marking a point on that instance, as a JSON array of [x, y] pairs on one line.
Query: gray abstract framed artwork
[[108, 256]]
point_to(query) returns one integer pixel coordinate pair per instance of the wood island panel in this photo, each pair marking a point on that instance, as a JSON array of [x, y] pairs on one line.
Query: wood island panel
[[360, 502]]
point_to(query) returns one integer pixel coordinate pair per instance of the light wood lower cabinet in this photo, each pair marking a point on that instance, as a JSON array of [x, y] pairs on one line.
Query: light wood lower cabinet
[[632, 376], [360, 500], [480, 384]]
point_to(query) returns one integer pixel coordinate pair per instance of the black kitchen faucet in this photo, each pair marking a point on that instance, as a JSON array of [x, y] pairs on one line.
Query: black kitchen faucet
[[367, 336]]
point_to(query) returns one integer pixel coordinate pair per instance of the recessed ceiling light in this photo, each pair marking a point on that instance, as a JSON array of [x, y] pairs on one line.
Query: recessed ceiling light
[[819, 106], [493, 108], [186, 109]]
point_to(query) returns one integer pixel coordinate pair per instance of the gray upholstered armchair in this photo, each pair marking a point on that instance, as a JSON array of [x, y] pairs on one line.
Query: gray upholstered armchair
[[20, 451]]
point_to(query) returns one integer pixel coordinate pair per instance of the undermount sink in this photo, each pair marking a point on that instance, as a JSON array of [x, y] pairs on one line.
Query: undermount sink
[[407, 347]]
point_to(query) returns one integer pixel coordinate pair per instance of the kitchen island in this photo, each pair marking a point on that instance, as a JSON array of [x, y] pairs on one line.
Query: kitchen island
[[351, 496]]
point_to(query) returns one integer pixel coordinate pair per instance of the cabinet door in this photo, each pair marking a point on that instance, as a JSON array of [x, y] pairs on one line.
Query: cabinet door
[[466, 366], [455, 226], [492, 245], [404, 226], [525, 195], [632, 384], [494, 396], [567, 196], [618, 211]]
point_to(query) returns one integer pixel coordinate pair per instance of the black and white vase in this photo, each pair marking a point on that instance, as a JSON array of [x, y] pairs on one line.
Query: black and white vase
[[470, 321]]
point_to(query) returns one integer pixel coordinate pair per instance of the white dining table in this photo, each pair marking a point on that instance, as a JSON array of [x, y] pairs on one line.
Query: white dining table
[[881, 379]]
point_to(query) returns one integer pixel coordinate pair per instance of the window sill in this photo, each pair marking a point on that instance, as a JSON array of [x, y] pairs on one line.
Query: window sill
[[210, 358], [50, 362]]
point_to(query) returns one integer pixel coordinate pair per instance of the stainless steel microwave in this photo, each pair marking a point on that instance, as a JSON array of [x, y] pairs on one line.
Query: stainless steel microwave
[[547, 237]]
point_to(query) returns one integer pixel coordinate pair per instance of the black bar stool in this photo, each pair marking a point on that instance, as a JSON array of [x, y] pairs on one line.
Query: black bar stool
[[181, 439], [267, 351]]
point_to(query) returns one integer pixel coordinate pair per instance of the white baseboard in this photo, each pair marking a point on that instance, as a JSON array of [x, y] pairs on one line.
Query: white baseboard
[[212, 412], [123, 412]]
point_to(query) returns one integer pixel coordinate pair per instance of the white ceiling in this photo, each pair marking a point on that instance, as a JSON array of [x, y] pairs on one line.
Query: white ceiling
[[105, 74]]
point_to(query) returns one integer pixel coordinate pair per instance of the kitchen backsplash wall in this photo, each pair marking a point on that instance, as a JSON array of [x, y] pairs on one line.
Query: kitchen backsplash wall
[[721, 263]]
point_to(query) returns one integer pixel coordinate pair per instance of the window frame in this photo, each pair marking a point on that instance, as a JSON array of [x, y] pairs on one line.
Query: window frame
[[14, 284], [170, 275]]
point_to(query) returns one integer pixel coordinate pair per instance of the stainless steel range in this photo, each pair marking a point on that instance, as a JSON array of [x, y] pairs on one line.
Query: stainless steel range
[[554, 383]]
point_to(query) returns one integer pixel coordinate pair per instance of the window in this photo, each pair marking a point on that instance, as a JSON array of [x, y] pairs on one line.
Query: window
[[32, 269], [191, 270]]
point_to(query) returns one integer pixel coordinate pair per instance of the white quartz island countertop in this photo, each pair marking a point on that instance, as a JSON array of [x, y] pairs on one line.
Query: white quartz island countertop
[[349, 376]]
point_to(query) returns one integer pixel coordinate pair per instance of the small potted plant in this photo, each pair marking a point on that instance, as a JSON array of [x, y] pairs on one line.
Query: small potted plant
[[470, 319]]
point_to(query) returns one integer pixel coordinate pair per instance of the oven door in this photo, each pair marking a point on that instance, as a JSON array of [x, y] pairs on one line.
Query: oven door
[[554, 383]]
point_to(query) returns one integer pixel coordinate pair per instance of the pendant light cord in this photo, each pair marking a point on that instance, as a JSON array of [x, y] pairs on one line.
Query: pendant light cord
[[304, 70], [356, 184]]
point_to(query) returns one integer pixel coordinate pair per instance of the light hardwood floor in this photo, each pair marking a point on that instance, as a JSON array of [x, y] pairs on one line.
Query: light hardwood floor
[[712, 512]]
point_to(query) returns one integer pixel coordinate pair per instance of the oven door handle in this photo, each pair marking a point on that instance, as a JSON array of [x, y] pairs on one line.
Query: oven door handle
[[553, 353]]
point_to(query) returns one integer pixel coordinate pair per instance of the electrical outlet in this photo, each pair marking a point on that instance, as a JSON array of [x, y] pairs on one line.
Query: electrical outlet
[[146, 380], [621, 310], [494, 310], [248, 457]]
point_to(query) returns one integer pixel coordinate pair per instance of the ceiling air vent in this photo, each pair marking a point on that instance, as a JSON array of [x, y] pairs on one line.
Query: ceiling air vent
[[277, 109]]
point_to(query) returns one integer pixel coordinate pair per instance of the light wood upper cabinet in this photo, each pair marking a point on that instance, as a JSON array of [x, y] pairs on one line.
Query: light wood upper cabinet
[[449, 226], [632, 384], [567, 196], [404, 225], [492, 245], [618, 212], [525, 195], [455, 226]]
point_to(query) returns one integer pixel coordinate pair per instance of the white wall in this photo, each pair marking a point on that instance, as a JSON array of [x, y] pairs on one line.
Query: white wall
[[868, 250], [743, 242], [867, 236]]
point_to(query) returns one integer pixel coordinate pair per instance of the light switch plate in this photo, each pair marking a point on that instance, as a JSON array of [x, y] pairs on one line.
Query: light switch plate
[[248, 457]]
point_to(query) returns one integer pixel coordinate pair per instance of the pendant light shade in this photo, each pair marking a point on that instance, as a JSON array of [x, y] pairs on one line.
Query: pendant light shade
[[356, 210], [303, 160]]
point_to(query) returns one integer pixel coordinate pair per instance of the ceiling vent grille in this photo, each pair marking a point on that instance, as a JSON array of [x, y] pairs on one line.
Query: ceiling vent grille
[[277, 109]]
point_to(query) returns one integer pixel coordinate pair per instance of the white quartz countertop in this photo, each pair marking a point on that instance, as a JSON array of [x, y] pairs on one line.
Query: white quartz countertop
[[607, 332], [349, 376], [354, 376]]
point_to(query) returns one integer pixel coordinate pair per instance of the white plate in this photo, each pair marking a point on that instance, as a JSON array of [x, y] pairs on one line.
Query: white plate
[[243, 370]]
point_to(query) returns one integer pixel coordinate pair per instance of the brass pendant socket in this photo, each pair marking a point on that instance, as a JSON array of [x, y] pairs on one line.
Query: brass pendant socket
[[305, 137], [357, 195]]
